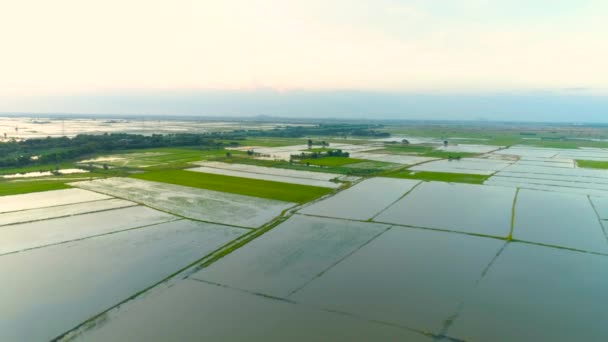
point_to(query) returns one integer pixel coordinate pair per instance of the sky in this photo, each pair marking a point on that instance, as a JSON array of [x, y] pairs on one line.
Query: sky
[[431, 59]]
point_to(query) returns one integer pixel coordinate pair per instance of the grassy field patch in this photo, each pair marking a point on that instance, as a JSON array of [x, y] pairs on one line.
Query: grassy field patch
[[237, 185], [16, 188], [592, 164], [439, 176]]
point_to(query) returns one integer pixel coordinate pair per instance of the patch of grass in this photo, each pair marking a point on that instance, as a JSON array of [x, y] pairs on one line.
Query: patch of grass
[[243, 186], [592, 164], [439, 176], [332, 161], [16, 188]]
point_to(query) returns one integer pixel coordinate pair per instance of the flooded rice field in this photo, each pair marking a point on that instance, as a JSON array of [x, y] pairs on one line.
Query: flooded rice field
[[391, 158], [87, 277], [31, 215], [320, 176], [519, 258], [193, 310], [291, 255], [263, 173], [409, 277], [24, 236], [477, 166], [461, 207], [564, 220], [364, 200], [47, 199], [205, 205], [534, 293]]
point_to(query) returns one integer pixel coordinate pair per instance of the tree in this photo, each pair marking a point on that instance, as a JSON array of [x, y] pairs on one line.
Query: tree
[[405, 142], [228, 154], [445, 143], [309, 143]]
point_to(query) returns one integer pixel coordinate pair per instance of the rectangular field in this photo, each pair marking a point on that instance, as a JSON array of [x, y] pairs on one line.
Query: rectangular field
[[31, 215], [476, 166], [266, 177], [477, 209], [211, 311], [410, 277], [89, 276], [290, 255], [237, 185], [362, 201], [534, 293], [564, 220], [47, 199], [48, 232], [199, 204]]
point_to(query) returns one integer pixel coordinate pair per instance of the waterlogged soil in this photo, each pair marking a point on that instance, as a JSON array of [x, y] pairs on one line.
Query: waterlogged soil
[[321, 176], [565, 220], [290, 255], [200, 204], [31, 215], [364, 200], [194, 311], [273, 178], [47, 199], [411, 277], [466, 208], [23, 236], [535, 293], [51, 290]]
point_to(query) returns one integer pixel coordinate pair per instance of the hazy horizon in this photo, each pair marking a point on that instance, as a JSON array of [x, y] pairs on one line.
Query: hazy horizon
[[567, 106], [388, 59]]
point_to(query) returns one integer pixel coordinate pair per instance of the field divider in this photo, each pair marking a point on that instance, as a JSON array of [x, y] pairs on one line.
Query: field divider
[[395, 201], [599, 218], [185, 272], [450, 320], [313, 307], [510, 236], [321, 273]]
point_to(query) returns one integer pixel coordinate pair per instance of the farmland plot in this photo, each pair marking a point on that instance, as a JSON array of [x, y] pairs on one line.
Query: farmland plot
[[290, 255], [268, 177], [392, 158], [476, 166], [535, 293], [364, 200], [47, 199], [601, 206], [320, 176], [31, 215], [468, 148], [89, 276], [411, 277], [193, 310], [43, 233], [467, 208], [206, 205], [551, 178], [564, 220]]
